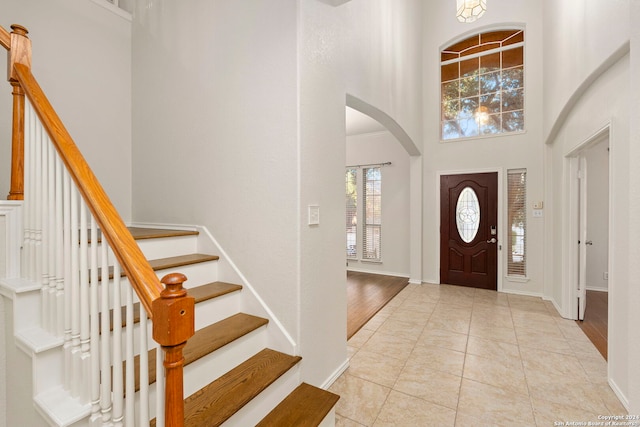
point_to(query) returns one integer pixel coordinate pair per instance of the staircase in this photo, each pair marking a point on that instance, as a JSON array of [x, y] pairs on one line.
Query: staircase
[[231, 376], [106, 333]]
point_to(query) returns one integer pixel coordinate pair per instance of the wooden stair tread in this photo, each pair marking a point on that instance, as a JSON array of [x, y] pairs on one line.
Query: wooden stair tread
[[306, 406], [180, 261], [199, 293], [170, 262], [212, 290], [218, 401], [141, 233], [205, 341]]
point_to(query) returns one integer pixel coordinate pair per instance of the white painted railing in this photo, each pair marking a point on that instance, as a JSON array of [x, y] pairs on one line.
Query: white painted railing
[[63, 252]]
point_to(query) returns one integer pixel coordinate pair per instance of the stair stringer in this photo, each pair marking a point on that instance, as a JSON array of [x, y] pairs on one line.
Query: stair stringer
[[279, 338]]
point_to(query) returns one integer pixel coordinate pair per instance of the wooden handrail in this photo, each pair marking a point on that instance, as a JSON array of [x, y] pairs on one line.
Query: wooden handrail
[[5, 38], [140, 274]]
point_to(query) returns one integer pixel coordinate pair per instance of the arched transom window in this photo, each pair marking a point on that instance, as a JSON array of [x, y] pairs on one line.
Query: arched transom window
[[482, 85]]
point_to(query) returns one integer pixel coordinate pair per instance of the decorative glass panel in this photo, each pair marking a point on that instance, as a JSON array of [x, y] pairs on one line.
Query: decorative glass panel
[[468, 214]]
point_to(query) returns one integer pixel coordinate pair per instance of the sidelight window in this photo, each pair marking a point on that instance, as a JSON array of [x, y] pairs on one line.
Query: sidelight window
[[517, 211]]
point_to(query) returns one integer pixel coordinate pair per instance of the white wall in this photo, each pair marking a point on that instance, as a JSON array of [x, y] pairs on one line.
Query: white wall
[[82, 60], [495, 153], [606, 101], [3, 352], [239, 126], [578, 36], [382, 147], [598, 215], [383, 58], [633, 301]]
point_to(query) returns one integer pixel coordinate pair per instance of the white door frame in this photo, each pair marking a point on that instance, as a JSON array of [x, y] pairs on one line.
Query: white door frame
[[571, 226]]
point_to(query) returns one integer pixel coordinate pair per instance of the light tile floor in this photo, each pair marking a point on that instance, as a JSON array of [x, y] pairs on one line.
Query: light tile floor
[[454, 356]]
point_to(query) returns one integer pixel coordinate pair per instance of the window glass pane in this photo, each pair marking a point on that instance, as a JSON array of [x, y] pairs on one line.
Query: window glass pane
[[465, 44], [451, 109], [450, 90], [468, 127], [490, 62], [513, 121], [468, 107], [517, 38], [449, 72], [469, 67], [490, 104], [469, 86], [490, 82], [451, 130], [468, 214], [513, 78], [491, 125], [497, 36], [512, 100], [512, 57]]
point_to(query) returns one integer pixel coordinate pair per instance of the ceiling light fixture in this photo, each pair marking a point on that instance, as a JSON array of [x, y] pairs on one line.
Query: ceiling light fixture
[[470, 10]]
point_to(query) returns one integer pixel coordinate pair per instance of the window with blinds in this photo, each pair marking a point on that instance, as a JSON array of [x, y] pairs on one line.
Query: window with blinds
[[352, 213], [372, 204], [517, 217]]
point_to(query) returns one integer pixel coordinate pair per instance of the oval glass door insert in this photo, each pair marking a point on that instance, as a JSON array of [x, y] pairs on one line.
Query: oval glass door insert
[[468, 214]]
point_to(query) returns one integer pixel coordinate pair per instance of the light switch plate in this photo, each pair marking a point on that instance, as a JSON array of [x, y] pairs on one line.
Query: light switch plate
[[314, 215]]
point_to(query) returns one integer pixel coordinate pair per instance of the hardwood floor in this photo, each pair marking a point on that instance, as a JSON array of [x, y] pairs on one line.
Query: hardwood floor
[[595, 321], [367, 294]]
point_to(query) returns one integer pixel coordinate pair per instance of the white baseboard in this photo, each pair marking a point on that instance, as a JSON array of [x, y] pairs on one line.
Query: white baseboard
[[336, 374], [597, 289], [623, 399], [384, 273]]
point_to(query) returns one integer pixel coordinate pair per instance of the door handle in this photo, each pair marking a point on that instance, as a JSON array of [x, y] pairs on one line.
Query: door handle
[[493, 240], [588, 242]]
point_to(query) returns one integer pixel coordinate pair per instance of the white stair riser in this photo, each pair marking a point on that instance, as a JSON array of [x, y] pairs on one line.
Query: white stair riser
[[216, 309], [216, 364], [168, 247]]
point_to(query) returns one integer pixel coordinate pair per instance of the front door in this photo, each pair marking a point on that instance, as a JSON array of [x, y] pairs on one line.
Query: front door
[[469, 230]]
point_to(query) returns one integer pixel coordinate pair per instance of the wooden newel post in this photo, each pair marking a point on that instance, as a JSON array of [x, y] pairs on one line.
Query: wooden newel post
[[20, 53], [173, 325]]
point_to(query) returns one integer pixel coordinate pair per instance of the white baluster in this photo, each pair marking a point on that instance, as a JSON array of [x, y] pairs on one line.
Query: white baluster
[[75, 298], [44, 248], [144, 368], [96, 416], [118, 390], [37, 206], [51, 237], [105, 353], [59, 249], [160, 389], [129, 417], [28, 193], [85, 329], [68, 365]]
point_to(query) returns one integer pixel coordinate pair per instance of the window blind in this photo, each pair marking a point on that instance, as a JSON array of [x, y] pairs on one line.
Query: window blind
[[517, 222], [372, 201], [352, 212]]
